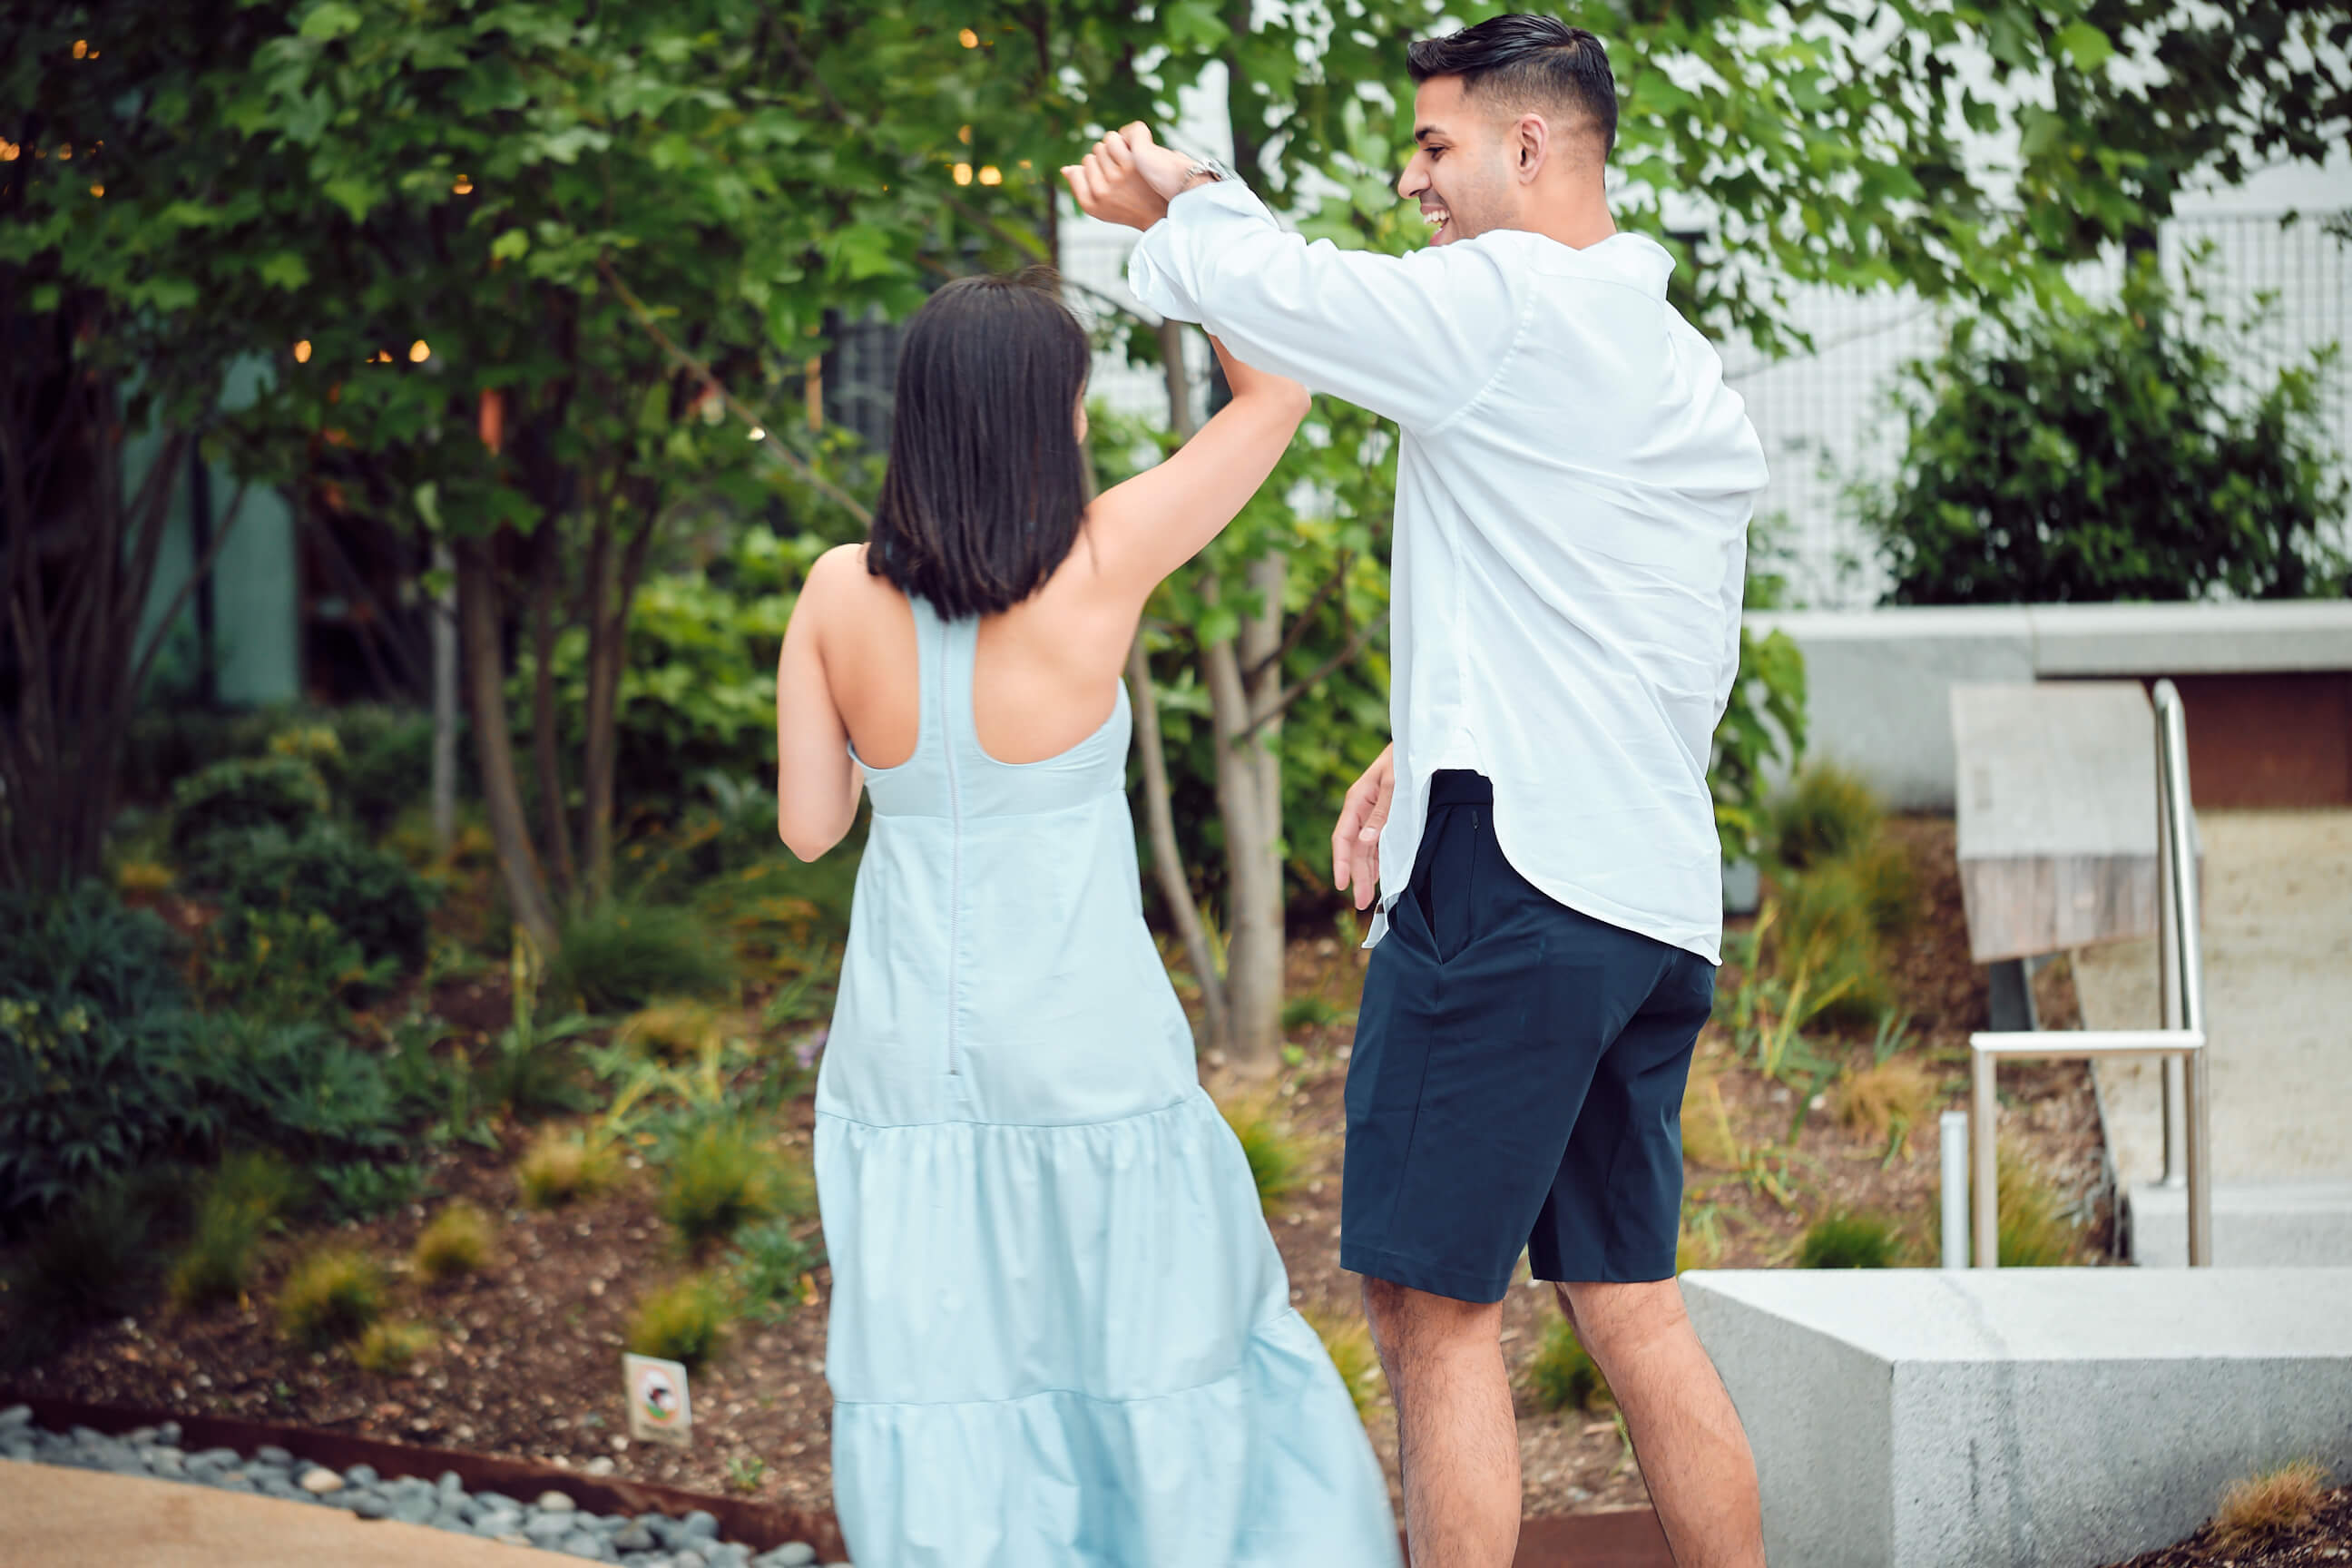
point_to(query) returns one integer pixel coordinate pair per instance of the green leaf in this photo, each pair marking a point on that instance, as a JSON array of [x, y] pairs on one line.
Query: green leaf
[[355, 194], [45, 298], [331, 19], [2088, 47], [510, 246], [285, 270]]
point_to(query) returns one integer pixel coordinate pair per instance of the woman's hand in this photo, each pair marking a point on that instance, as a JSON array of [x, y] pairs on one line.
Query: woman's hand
[[1128, 178]]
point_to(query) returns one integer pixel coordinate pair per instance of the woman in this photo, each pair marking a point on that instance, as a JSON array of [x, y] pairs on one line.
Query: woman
[[1060, 1331]]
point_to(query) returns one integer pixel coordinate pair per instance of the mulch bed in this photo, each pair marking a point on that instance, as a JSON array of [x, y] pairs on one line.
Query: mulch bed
[[527, 1363], [2326, 1539]]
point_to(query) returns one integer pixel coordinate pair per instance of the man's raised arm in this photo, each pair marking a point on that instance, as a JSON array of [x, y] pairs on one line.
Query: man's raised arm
[[1411, 338]]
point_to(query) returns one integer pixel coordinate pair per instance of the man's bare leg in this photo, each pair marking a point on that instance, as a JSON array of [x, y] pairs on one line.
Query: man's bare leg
[[1692, 1451], [1457, 1439]]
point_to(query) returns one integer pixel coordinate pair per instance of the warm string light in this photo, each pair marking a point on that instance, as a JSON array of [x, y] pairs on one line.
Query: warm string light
[[98, 190], [9, 151], [464, 185], [302, 352], [963, 173], [418, 353], [964, 135], [968, 39], [990, 175], [81, 48]]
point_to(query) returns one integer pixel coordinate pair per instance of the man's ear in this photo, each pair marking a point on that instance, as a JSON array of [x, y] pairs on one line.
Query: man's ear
[[1531, 145]]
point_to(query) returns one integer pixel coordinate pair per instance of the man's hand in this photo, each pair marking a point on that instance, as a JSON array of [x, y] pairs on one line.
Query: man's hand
[[1356, 841], [1128, 178]]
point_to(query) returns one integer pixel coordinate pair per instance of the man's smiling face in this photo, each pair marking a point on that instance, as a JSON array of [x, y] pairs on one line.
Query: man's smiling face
[[1460, 172]]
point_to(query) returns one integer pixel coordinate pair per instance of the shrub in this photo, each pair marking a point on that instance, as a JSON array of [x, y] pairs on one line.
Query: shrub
[[1763, 725], [560, 1167], [2035, 1232], [1277, 1156], [723, 1177], [95, 1073], [1347, 1341], [281, 966], [1562, 1374], [389, 1349], [770, 1263], [362, 1189], [532, 1069], [298, 1086], [625, 955], [457, 1243], [684, 1322], [1844, 1240], [330, 1298], [2273, 1503], [2081, 455], [1877, 1101], [1826, 811], [674, 1030], [239, 1202], [368, 893], [232, 797], [386, 761], [91, 1262]]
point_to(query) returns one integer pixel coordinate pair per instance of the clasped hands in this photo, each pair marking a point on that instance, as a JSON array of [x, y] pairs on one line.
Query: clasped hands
[[1128, 178]]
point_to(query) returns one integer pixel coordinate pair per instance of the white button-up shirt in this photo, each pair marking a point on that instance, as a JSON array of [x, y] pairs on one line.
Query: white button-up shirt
[[1573, 491]]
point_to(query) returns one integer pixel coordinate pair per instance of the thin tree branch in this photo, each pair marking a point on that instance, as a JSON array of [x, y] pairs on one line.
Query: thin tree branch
[[751, 421], [1300, 622], [195, 575], [1281, 705]]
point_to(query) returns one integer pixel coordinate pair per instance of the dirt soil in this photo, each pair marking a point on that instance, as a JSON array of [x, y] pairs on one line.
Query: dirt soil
[[527, 1361], [2326, 1539]]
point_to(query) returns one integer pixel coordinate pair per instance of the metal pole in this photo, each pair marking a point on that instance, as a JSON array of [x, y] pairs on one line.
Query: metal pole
[[1983, 1106], [1953, 1133], [2177, 828], [2168, 974]]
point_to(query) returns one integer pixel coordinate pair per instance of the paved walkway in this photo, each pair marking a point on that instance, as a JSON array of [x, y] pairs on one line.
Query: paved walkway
[[2278, 990], [60, 1517]]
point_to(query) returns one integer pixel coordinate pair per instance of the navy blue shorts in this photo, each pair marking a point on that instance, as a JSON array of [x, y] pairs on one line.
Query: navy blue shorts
[[1516, 1079]]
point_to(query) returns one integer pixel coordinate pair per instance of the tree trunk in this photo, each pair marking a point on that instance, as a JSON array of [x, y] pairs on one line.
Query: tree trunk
[[478, 608], [1167, 862], [555, 823], [1249, 801], [612, 593], [444, 712]]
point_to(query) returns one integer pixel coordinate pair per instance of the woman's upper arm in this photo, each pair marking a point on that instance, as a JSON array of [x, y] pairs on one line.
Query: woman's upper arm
[[1148, 526], [813, 768]]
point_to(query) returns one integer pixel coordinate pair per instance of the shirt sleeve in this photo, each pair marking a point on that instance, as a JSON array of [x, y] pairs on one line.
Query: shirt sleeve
[[1412, 338]]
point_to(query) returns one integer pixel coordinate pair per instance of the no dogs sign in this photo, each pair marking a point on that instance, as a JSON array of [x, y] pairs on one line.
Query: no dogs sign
[[659, 1411]]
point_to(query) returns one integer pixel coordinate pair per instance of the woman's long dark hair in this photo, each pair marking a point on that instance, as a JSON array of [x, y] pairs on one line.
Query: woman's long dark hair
[[985, 486]]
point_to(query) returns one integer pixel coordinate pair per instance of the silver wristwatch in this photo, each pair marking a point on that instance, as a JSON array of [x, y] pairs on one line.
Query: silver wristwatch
[[1205, 164]]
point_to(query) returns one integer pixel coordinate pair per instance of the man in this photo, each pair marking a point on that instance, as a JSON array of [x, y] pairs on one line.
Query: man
[[1573, 491]]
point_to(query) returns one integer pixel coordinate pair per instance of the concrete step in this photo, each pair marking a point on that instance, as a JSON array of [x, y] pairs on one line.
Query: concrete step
[[2281, 1224]]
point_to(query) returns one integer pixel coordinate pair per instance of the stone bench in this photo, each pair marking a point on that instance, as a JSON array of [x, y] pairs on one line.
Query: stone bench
[[2032, 1419]]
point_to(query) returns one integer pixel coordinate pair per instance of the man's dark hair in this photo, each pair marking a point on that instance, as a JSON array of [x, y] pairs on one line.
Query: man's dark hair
[[985, 485], [1521, 60]]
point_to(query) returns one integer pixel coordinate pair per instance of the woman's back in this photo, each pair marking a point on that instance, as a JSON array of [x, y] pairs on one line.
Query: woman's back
[[998, 968]]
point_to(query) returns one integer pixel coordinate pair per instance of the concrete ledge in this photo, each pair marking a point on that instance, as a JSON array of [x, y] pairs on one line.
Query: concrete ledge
[[2037, 1418], [2303, 1225], [1879, 680]]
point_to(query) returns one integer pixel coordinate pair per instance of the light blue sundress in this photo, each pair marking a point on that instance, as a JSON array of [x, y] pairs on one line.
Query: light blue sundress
[[1060, 1331]]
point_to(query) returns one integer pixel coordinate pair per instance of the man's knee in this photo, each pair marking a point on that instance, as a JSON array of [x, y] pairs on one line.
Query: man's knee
[[1614, 1320], [1407, 1323]]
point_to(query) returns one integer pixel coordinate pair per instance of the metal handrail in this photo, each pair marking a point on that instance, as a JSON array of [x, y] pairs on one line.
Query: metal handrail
[[2181, 977]]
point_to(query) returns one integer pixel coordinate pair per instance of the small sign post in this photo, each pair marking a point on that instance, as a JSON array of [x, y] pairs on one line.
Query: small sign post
[[656, 1395]]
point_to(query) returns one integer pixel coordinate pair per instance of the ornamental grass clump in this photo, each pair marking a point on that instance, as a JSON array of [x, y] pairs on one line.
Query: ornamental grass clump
[[560, 1168], [1563, 1375], [331, 1297], [1884, 1101], [684, 1322], [239, 1204], [1347, 1341], [1277, 1155], [1708, 1140], [723, 1177], [390, 1349], [625, 955], [457, 1243], [2036, 1232], [1847, 1240], [2270, 1504]]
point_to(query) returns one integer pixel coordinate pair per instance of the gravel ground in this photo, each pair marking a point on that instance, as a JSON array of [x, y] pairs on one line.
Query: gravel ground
[[553, 1521]]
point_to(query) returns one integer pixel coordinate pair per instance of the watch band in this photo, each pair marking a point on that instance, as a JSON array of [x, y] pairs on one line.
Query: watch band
[[1213, 167]]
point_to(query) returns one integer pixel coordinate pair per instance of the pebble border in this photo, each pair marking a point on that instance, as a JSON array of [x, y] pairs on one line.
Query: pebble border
[[552, 1522]]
